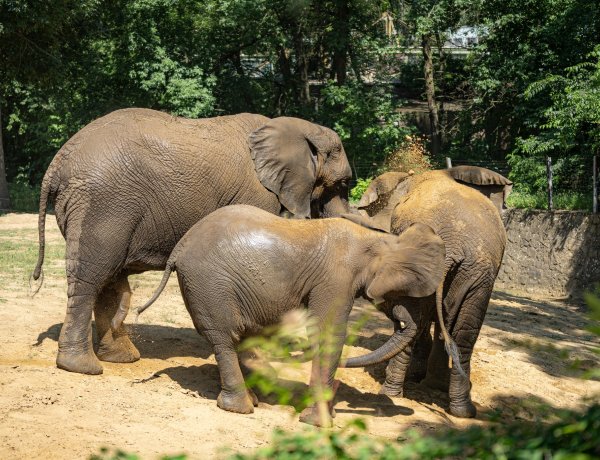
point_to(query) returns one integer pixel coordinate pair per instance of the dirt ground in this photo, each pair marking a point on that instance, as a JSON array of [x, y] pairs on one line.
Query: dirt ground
[[166, 402]]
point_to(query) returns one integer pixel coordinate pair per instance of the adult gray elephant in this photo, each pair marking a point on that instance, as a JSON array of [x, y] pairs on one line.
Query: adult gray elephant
[[474, 236], [130, 184]]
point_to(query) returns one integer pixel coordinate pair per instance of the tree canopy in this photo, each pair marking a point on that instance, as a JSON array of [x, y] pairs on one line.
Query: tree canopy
[[528, 87]]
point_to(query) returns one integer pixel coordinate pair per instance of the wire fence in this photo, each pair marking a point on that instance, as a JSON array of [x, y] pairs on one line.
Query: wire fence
[[564, 183]]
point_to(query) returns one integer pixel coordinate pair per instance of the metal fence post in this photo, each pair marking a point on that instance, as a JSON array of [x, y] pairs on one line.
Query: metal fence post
[[549, 173], [448, 162], [595, 179]]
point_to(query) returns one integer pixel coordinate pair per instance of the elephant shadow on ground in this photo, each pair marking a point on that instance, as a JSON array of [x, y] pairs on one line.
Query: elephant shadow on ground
[[198, 381], [369, 404], [203, 381], [153, 341]]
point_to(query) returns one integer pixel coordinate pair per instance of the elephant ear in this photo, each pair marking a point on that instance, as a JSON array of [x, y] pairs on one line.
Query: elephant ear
[[288, 154], [380, 187], [413, 265], [493, 185]]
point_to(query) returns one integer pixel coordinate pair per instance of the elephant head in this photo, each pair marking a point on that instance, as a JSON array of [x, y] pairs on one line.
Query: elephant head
[[304, 164], [412, 265]]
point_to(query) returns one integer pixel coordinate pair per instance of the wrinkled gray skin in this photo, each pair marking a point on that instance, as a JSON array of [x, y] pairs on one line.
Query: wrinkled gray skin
[[130, 184], [241, 269], [474, 236]]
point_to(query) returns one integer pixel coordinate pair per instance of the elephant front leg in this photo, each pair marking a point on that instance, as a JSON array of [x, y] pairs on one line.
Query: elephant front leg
[[329, 339], [114, 345], [395, 372], [417, 368]]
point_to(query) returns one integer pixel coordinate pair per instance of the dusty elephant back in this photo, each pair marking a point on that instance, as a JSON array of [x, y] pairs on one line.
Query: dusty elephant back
[[464, 218], [253, 256]]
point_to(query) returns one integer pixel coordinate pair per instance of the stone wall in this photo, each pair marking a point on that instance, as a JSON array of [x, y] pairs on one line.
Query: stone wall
[[551, 254]]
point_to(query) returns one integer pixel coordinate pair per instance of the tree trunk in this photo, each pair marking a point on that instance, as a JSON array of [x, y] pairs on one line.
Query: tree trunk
[[246, 94], [4, 196], [302, 66], [441, 70], [341, 35], [430, 92], [286, 87]]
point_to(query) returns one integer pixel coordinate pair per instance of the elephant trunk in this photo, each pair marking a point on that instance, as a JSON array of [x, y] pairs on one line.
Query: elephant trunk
[[395, 344], [336, 206]]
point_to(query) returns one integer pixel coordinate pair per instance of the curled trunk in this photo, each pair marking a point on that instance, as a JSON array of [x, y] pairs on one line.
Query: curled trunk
[[395, 344]]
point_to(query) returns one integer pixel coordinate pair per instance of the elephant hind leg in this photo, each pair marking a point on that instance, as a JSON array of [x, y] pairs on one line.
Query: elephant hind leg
[[94, 254], [234, 397], [114, 345], [75, 350], [466, 330], [438, 372]]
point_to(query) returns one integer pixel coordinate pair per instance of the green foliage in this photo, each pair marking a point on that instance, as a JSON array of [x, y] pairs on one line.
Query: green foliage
[[574, 436], [539, 200], [358, 190], [24, 197], [570, 129], [286, 343], [366, 121], [524, 41], [570, 435]]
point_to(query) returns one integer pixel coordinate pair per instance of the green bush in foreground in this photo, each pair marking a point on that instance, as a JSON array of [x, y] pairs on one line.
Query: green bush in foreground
[[574, 436]]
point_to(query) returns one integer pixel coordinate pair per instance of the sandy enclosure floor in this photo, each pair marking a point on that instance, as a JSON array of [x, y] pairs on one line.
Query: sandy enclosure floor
[[166, 402]]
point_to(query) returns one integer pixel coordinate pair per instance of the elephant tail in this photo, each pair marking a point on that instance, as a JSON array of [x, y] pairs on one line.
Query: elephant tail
[[163, 282], [449, 344], [45, 194]]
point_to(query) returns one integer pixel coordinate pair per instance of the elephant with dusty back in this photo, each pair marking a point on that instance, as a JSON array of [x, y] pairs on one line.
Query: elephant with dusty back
[[127, 187], [241, 269], [450, 202]]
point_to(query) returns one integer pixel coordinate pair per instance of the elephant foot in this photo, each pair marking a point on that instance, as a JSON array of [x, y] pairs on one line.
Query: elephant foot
[[388, 389], [118, 349], [465, 410], [83, 363], [313, 416], [239, 402]]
